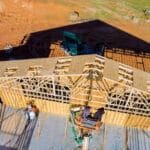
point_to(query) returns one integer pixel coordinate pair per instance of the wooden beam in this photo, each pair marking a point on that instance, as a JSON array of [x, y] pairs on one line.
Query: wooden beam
[[125, 138]]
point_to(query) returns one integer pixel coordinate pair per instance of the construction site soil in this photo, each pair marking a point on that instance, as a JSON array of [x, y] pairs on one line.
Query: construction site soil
[[29, 25]]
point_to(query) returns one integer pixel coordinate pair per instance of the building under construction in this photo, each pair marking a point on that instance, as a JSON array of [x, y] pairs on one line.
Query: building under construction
[[56, 85]]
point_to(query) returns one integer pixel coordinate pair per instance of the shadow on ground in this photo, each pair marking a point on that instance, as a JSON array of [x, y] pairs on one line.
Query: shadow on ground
[[37, 44], [15, 138]]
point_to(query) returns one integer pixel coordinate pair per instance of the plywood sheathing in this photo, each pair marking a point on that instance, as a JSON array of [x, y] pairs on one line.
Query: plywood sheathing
[[111, 67], [16, 98], [127, 120]]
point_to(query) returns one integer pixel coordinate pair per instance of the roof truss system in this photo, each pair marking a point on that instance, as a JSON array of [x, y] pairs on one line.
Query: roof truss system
[[54, 93], [85, 89]]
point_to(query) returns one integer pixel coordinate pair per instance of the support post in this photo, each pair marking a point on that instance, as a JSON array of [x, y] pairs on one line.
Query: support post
[[2, 111], [85, 143], [104, 137], [125, 138]]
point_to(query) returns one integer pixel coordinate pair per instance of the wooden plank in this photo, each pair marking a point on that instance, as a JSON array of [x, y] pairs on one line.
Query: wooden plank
[[109, 54], [117, 57], [125, 139], [15, 99], [127, 120], [146, 62]]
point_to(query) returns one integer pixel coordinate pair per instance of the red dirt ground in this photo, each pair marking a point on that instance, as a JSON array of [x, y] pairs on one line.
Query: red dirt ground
[[21, 17]]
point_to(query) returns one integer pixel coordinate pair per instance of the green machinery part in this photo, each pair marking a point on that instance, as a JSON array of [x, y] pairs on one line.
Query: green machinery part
[[72, 42], [79, 140]]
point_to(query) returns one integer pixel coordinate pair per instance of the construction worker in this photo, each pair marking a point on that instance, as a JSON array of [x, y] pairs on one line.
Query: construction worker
[[31, 112], [86, 112], [98, 114]]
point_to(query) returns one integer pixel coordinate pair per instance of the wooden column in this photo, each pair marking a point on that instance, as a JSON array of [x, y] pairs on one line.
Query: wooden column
[[85, 143]]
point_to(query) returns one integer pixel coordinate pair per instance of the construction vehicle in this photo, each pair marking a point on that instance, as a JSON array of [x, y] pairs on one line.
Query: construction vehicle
[[82, 130], [73, 45]]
